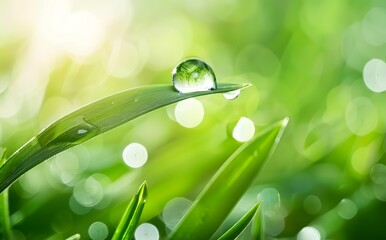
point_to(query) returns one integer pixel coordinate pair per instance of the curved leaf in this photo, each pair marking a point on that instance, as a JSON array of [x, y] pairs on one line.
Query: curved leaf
[[92, 120], [227, 186]]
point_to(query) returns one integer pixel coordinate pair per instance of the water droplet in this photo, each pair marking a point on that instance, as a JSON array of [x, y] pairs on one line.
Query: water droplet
[[193, 75], [82, 131], [232, 94]]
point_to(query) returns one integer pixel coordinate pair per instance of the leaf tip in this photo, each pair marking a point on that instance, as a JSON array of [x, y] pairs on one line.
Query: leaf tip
[[284, 122], [143, 191], [245, 85]]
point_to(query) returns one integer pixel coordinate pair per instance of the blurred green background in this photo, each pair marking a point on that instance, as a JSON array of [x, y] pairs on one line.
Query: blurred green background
[[318, 62]]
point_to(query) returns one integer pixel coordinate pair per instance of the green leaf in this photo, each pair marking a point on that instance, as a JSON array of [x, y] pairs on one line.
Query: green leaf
[[5, 225], [74, 237], [227, 186], [129, 221], [92, 120], [257, 227], [239, 227]]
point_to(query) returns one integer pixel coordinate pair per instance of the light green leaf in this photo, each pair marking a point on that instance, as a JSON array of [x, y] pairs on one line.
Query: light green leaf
[[92, 120], [257, 227], [5, 225], [227, 186], [129, 221], [239, 227]]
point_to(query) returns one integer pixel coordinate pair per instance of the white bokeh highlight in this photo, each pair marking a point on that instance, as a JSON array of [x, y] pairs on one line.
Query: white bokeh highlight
[[189, 113], [309, 233], [135, 155], [98, 231], [174, 210], [244, 130], [146, 231], [374, 75]]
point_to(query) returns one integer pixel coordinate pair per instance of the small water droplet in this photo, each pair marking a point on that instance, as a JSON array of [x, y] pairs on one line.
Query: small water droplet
[[193, 75], [232, 94], [82, 131]]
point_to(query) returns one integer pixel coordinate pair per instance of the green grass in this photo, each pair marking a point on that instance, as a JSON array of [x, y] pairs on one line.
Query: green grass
[[92, 120], [227, 186], [130, 219], [230, 182]]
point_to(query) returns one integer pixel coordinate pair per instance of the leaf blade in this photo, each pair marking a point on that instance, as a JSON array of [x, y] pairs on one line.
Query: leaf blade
[[5, 225], [240, 225], [228, 184], [92, 120], [130, 219]]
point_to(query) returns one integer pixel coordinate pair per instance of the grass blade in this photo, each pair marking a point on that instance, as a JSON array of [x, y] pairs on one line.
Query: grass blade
[[5, 225], [74, 237], [129, 221], [227, 186], [92, 120], [257, 227], [239, 227]]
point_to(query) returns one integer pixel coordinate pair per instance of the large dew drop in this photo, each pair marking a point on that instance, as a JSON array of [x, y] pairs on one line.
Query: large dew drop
[[193, 75]]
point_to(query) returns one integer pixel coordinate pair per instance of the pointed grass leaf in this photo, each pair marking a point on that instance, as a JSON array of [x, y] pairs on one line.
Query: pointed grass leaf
[[240, 225], [227, 186], [5, 225], [92, 120], [257, 227], [129, 221]]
